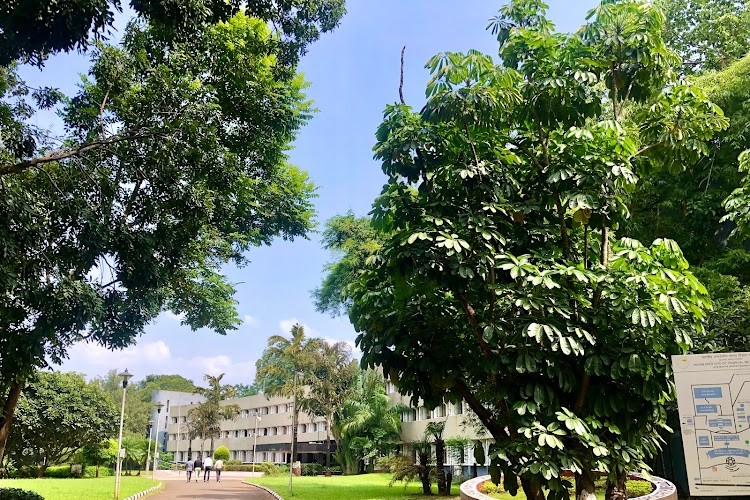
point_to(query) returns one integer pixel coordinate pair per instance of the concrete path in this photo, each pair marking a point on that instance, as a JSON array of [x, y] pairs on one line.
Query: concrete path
[[230, 488]]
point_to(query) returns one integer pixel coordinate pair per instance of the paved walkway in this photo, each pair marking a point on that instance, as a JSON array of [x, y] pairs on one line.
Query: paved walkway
[[230, 488]]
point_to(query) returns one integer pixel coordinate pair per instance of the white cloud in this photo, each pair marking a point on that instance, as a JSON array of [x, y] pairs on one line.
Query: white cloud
[[156, 358], [249, 320]]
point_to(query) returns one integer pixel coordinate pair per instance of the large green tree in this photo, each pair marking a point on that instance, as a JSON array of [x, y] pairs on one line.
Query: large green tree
[[172, 165], [500, 280], [293, 356], [58, 415]]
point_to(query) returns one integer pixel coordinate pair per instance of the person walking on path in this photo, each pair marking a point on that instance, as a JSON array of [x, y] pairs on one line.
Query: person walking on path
[[207, 468], [198, 467], [218, 466], [189, 466]]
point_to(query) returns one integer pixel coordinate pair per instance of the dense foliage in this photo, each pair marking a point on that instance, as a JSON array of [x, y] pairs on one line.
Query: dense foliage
[[172, 165], [708, 34], [57, 415], [31, 30], [499, 280]]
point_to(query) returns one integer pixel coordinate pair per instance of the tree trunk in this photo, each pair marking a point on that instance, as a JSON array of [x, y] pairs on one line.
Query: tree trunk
[[532, 487], [6, 418], [328, 443], [585, 488], [424, 473], [97, 470], [439, 466], [40, 471], [617, 490]]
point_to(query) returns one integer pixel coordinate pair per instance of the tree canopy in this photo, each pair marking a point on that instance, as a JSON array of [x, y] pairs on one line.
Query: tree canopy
[[58, 415], [708, 34], [172, 165], [499, 279], [30, 30]]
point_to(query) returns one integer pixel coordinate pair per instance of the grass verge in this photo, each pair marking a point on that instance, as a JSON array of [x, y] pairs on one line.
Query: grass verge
[[361, 487], [76, 489]]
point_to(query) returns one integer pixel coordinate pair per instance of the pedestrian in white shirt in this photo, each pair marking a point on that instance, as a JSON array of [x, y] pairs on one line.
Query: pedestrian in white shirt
[[207, 464]]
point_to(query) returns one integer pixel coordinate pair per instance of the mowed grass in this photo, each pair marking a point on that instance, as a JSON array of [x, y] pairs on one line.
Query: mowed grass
[[361, 487], [78, 489]]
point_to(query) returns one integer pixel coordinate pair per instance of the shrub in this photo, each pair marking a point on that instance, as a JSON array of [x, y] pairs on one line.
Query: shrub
[[221, 453], [637, 488], [268, 468], [488, 488], [393, 463], [19, 494], [58, 471], [90, 471], [311, 469], [232, 462]]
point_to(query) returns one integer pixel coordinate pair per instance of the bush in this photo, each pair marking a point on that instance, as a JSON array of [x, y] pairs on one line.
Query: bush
[[90, 471], [268, 468], [233, 462], [19, 494], [311, 469], [393, 463], [58, 471], [221, 453]]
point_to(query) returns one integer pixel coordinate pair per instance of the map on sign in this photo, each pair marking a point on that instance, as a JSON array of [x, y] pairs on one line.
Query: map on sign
[[713, 395]]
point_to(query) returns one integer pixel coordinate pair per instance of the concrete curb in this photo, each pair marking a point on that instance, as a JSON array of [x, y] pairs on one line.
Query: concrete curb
[[273, 493], [146, 492]]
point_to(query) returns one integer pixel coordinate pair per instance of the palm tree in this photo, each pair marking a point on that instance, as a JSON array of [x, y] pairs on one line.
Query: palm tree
[[294, 355], [330, 386], [435, 431], [369, 424], [205, 418]]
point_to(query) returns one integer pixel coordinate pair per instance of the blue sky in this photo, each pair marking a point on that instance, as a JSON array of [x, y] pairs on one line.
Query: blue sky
[[354, 73]]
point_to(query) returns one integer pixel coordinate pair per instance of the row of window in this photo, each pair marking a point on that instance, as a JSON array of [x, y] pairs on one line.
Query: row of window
[[421, 413], [242, 455], [266, 410], [263, 431]]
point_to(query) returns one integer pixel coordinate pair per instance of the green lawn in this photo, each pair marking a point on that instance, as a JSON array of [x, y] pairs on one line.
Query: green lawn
[[77, 489], [362, 487]]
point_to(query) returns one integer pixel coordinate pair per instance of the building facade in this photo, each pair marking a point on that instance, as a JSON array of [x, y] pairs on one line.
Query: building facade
[[263, 430], [174, 402]]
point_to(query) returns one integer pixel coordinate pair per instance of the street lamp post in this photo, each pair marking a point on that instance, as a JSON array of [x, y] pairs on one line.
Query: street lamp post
[[294, 432], [150, 433], [255, 438], [125, 377], [158, 406]]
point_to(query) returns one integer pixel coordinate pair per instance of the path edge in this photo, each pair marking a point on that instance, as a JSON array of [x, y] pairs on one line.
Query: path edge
[[143, 493], [275, 495]]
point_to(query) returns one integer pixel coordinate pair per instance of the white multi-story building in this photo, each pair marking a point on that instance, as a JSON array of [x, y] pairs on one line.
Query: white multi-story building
[[272, 441], [174, 402]]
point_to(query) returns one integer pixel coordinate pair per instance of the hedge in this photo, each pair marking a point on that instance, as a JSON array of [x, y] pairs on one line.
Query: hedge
[[19, 494]]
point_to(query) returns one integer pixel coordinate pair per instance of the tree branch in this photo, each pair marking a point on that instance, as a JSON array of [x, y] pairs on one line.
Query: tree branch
[[474, 322], [61, 154], [401, 80]]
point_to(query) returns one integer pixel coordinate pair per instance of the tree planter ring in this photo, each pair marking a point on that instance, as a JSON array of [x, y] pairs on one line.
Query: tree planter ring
[[663, 489]]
